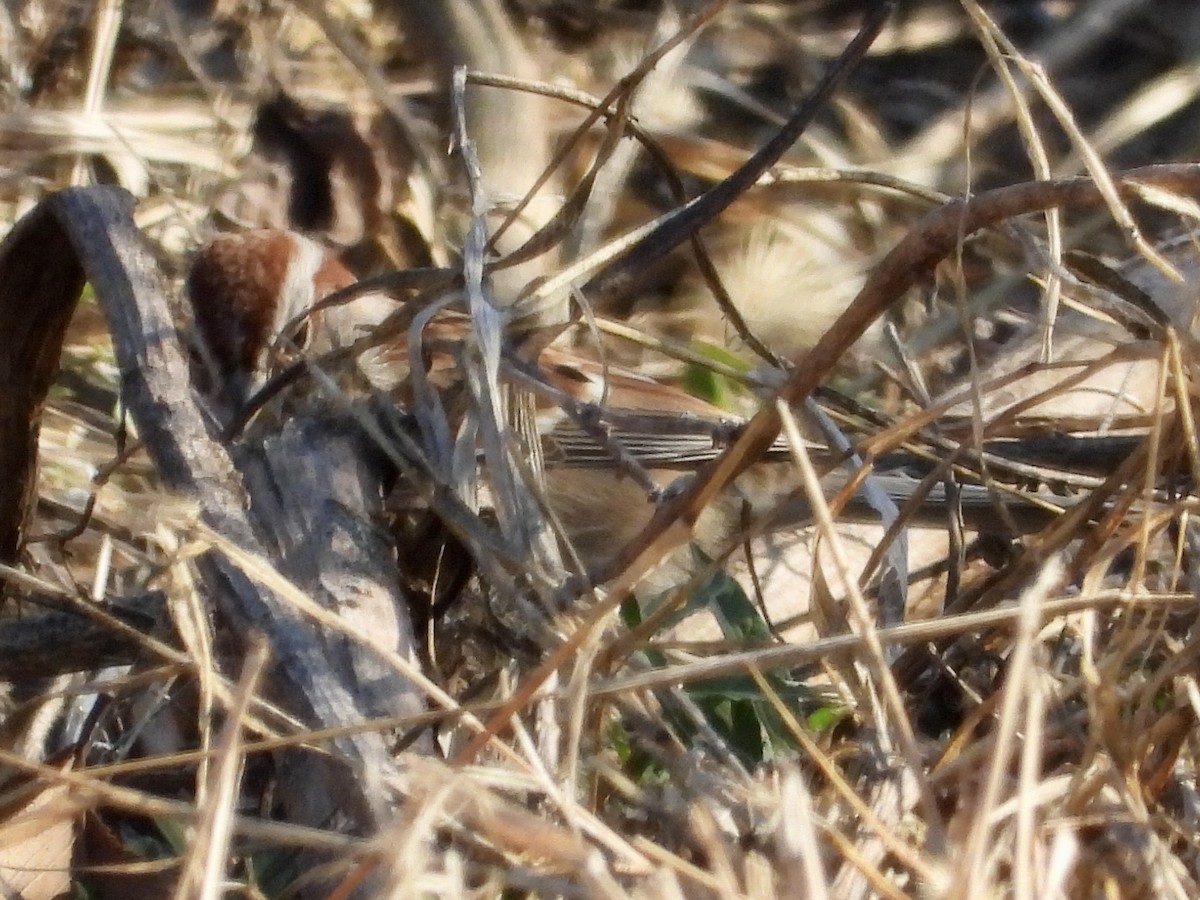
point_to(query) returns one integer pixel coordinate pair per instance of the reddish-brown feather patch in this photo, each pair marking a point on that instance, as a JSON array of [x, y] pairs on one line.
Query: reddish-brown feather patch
[[233, 284]]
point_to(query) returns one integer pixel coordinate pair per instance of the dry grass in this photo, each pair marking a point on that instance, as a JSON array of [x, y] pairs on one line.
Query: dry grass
[[1029, 729]]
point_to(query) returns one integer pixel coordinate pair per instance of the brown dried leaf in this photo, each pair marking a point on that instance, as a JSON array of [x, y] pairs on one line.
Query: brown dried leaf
[[37, 837]]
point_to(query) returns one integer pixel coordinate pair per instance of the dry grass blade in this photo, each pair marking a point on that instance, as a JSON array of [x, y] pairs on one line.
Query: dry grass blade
[[947, 649], [204, 872], [686, 221], [129, 288], [926, 245]]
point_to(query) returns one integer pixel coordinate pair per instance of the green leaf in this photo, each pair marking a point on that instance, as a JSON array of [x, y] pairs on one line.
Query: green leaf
[[715, 387], [631, 612], [737, 721], [737, 616], [826, 717]]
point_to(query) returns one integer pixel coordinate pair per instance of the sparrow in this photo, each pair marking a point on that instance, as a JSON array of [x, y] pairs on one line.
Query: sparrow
[[256, 300], [613, 440]]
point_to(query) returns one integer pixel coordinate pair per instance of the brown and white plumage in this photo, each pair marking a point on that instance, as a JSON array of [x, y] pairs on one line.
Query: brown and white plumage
[[612, 438], [247, 290]]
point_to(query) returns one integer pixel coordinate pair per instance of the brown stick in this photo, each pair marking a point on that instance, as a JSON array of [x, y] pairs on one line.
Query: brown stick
[[930, 241], [324, 539]]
